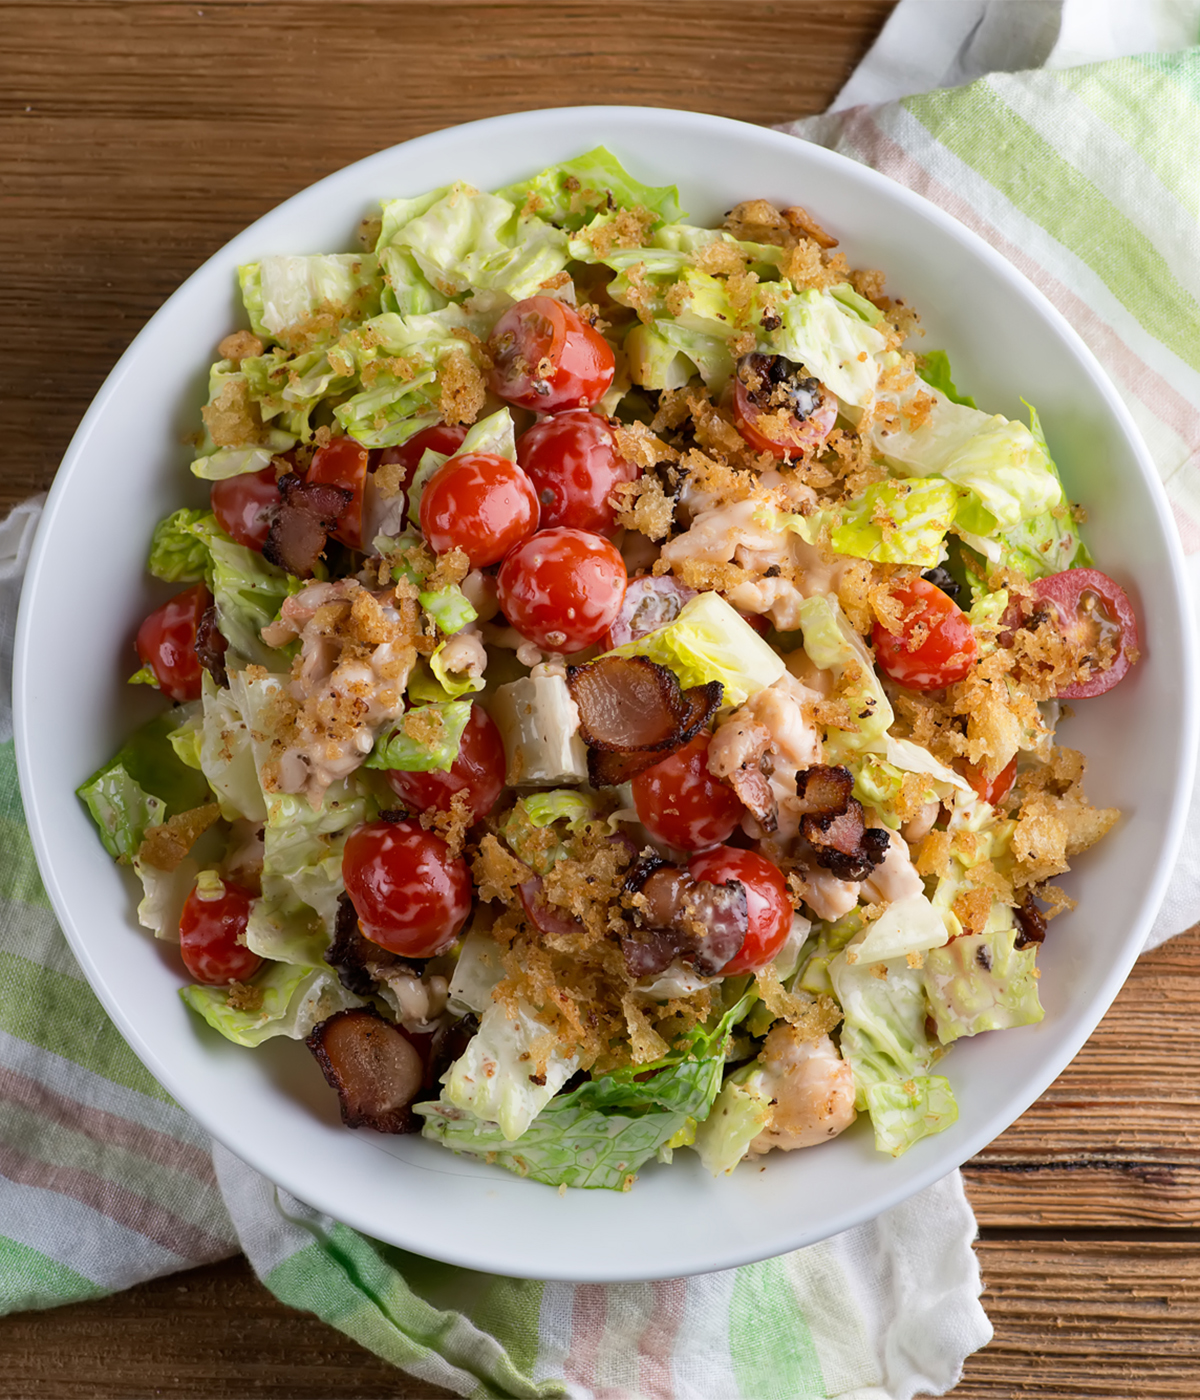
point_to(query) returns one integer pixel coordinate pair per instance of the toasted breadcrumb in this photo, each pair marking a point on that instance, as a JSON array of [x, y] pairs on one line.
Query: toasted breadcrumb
[[241, 345], [166, 846], [645, 506], [233, 418], [452, 825], [812, 1017], [462, 389], [240, 997]]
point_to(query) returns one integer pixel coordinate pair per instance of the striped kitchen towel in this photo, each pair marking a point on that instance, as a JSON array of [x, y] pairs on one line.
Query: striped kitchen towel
[[1087, 179]]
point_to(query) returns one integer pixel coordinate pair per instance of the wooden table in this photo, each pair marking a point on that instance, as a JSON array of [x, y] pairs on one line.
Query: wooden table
[[137, 137]]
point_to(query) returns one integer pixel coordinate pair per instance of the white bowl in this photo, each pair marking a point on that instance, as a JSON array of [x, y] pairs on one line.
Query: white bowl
[[86, 591]]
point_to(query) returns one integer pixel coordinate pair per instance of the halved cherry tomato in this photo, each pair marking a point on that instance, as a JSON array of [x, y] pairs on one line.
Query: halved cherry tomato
[[480, 503], [166, 642], [936, 645], [990, 789], [766, 894], [573, 462], [680, 802], [410, 894], [209, 933], [343, 462], [766, 386], [440, 438], [1092, 609], [562, 588], [650, 602], [547, 357], [243, 506], [478, 772]]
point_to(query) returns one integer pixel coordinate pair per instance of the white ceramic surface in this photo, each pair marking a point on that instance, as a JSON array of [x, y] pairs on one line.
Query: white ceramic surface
[[86, 591]]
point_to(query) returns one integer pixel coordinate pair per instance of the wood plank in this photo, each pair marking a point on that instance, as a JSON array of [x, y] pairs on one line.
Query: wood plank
[[1077, 1319], [1115, 1141], [138, 137]]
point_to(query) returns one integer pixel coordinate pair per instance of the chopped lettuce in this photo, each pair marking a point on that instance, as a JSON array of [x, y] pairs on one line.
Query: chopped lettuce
[[898, 522], [539, 727], [885, 1042], [468, 241], [831, 340], [121, 809], [248, 592], [293, 1000], [599, 1134], [831, 644], [289, 292], [934, 368], [572, 193], [226, 752], [654, 362], [710, 641], [739, 1113], [449, 608], [539, 810], [494, 434], [164, 894], [453, 684], [227, 462], [397, 749], [982, 982]]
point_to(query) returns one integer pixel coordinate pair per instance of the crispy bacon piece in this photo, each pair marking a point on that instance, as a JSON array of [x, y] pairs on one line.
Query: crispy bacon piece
[[633, 714], [308, 511], [374, 1067], [210, 647], [357, 961], [1031, 922], [703, 923], [835, 825], [824, 791]]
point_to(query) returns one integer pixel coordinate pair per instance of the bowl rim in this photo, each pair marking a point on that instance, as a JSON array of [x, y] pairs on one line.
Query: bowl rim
[[516, 125]]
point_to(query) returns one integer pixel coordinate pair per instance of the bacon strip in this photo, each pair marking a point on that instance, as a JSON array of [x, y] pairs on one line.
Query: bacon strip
[[375, 1069], [835, 824], [633, 714], [211, 646], [308, 511]]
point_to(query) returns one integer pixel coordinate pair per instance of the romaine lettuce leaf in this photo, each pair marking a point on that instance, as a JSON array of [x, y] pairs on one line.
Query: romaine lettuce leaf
[[288, 291], [294, 1000], [449, 609], [739, 1113], [121, 809], [898, 522], [831, 644], [396, 749], [572, 193], [904, 1113], [542, 809], [934, 368], [982, 982], [831, 340], [710, 641]]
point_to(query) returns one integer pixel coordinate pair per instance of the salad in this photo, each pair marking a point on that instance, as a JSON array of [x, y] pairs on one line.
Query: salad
[[611, 696]]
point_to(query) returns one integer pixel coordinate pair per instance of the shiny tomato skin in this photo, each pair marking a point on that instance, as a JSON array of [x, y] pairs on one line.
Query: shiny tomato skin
[[680, 802], [809, 433], [573, 462], [166, 642], [943, 657], [440, 438], [990, 789], [209, 930], [480, 503], [343, 462], [478, 772], [1071, 593], [766, 894], [410, 894], [562, 588], [548, 358], [243, 506]]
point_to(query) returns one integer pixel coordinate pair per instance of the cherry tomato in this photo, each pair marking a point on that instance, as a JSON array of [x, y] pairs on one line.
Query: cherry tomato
[[343, 462], [440, 438], [480, 503], [649, 603], [410, 894], [562, 588], [766, 894], [166, 642], [680, 802], [209, 934], [1092, 608], [990, 789], [573, 462], [243, 506], [767, 385], [548, 358], [936, 645], [478, 771]]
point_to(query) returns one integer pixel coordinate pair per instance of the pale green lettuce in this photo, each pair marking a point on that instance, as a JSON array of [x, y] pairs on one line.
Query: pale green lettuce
[[982, 982], [395, 749], [573, 192], [294, 1000], [898, 522], [831, 644], [283, 291]]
